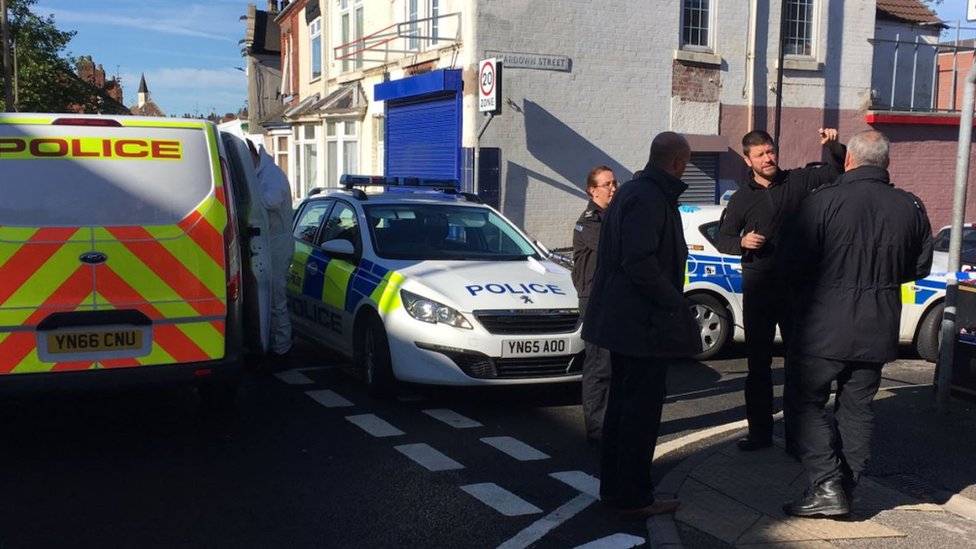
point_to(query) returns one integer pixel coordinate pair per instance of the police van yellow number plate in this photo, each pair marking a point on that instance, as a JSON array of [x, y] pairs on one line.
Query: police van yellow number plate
[[94, 341]]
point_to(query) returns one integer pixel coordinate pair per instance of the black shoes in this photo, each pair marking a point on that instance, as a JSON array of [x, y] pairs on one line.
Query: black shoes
[[659, 507], [751, 445], [827, 499]]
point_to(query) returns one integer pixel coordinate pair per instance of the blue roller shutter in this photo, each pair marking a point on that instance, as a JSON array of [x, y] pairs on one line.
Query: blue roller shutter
[[423, 137]]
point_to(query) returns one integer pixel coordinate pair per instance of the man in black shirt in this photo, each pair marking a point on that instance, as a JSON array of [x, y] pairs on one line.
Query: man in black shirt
[[750, 227], [600, 185]]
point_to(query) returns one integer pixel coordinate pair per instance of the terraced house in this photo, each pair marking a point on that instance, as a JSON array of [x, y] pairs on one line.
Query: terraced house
[[390, 87]]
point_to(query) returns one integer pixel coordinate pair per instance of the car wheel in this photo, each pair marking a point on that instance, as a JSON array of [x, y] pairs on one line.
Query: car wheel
[[373, 357], [713, 321], [930, 334]]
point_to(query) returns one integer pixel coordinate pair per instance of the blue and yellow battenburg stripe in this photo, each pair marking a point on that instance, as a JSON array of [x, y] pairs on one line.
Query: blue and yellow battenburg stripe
[[717, 270], [342, 285]]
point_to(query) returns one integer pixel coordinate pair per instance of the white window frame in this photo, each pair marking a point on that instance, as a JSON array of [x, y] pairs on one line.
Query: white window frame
[[812, 29], [412, 8], [351, 21], [709, 28], [315, 35], [339, 134], [302, 164], [434, 9]]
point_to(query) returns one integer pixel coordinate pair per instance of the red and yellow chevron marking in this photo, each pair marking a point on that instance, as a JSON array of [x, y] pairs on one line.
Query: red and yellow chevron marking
[[18, 352]]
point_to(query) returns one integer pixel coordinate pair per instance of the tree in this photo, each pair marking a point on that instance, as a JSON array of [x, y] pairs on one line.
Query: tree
[[44, 80]]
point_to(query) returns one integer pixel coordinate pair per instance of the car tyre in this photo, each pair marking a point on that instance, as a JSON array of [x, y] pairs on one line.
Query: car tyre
[[930, 334], [373, 358], [713, 321]]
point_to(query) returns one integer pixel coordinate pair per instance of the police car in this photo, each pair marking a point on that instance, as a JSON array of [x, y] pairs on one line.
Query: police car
[[713, 281], [421, 283]]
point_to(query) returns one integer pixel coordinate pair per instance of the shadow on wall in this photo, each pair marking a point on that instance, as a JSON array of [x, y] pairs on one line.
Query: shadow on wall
[[559, 148]]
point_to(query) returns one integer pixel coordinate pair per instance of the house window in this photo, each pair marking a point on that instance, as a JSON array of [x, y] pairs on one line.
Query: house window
[[281, 152], [307, 151], [696, 21], [341, 150], [435, 13], [798, 38], [315, 47], [413, 30], [351, 20]]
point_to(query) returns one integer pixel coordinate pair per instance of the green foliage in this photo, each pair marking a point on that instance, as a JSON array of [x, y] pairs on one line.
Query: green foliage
[[45, 79]]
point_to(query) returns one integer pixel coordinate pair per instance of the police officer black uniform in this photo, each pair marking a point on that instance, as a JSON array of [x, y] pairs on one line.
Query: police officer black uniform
[[596, 365]]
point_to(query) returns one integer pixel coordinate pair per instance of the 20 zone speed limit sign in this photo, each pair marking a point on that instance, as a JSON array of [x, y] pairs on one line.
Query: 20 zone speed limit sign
[[489, 86]]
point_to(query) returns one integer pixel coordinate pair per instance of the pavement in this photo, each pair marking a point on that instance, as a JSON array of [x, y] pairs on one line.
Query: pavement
[[919, 489]]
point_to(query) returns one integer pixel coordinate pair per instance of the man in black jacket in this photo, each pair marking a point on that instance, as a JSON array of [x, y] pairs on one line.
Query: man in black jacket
[[600, 185], [638, 312], [750, 227], [850, 247]]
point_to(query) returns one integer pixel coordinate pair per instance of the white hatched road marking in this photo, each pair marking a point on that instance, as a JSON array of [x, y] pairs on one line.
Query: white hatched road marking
[[583, 482], [501, 500], [329, 399], [374, 425], [515, 448], [428, 457], [535, 531], [294, 377], [616, 541], [452, 418]]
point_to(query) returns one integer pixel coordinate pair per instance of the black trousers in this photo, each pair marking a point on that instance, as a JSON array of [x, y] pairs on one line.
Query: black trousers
[[596, 385], [637, 391], [838, 446], [765, 303]]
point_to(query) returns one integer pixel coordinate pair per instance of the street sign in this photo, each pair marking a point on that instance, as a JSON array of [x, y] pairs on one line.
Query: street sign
[[490, 86], [971, 11]]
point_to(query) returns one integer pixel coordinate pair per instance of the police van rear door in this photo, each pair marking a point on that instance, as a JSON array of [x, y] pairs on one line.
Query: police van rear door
[[111, 243]]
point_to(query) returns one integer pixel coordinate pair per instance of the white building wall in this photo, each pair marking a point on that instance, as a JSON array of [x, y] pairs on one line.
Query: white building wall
[[556, 126]]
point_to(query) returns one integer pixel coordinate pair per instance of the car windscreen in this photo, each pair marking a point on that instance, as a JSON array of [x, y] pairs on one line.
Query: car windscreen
[[71, 176], [425, 231]]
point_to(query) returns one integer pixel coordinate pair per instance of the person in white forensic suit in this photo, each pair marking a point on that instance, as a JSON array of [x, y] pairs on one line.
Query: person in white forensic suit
[[276, 198]]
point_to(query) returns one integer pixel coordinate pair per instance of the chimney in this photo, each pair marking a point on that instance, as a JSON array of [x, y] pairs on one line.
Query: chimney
[[272, 6]]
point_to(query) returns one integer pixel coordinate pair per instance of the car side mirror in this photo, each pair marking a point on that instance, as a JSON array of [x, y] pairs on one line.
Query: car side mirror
[[340, 248]]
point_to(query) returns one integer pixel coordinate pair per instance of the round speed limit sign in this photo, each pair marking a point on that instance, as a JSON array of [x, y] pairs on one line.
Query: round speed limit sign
[[489, 80]]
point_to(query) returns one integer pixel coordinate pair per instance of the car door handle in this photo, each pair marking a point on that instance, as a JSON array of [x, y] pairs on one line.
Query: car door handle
[[311, 268]]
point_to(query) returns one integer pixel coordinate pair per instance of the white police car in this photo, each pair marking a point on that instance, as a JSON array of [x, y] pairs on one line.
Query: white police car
[[429, 285], [713, 281]]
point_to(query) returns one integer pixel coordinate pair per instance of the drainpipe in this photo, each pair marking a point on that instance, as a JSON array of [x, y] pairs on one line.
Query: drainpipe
[[779, 73], [751, 64], [949, 330]]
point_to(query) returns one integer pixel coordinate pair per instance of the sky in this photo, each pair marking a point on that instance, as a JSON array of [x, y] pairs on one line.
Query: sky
[[188, 50], [952, 11]]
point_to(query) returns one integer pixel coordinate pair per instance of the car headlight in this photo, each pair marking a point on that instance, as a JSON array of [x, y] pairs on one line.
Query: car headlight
[[428, 310]]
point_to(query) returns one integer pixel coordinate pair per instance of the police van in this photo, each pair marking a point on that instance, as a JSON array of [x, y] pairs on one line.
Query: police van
[[126, 253], [418, 282]]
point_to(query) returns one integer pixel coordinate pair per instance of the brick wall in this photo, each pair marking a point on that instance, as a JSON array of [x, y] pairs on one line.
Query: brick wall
[[694, 82]]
